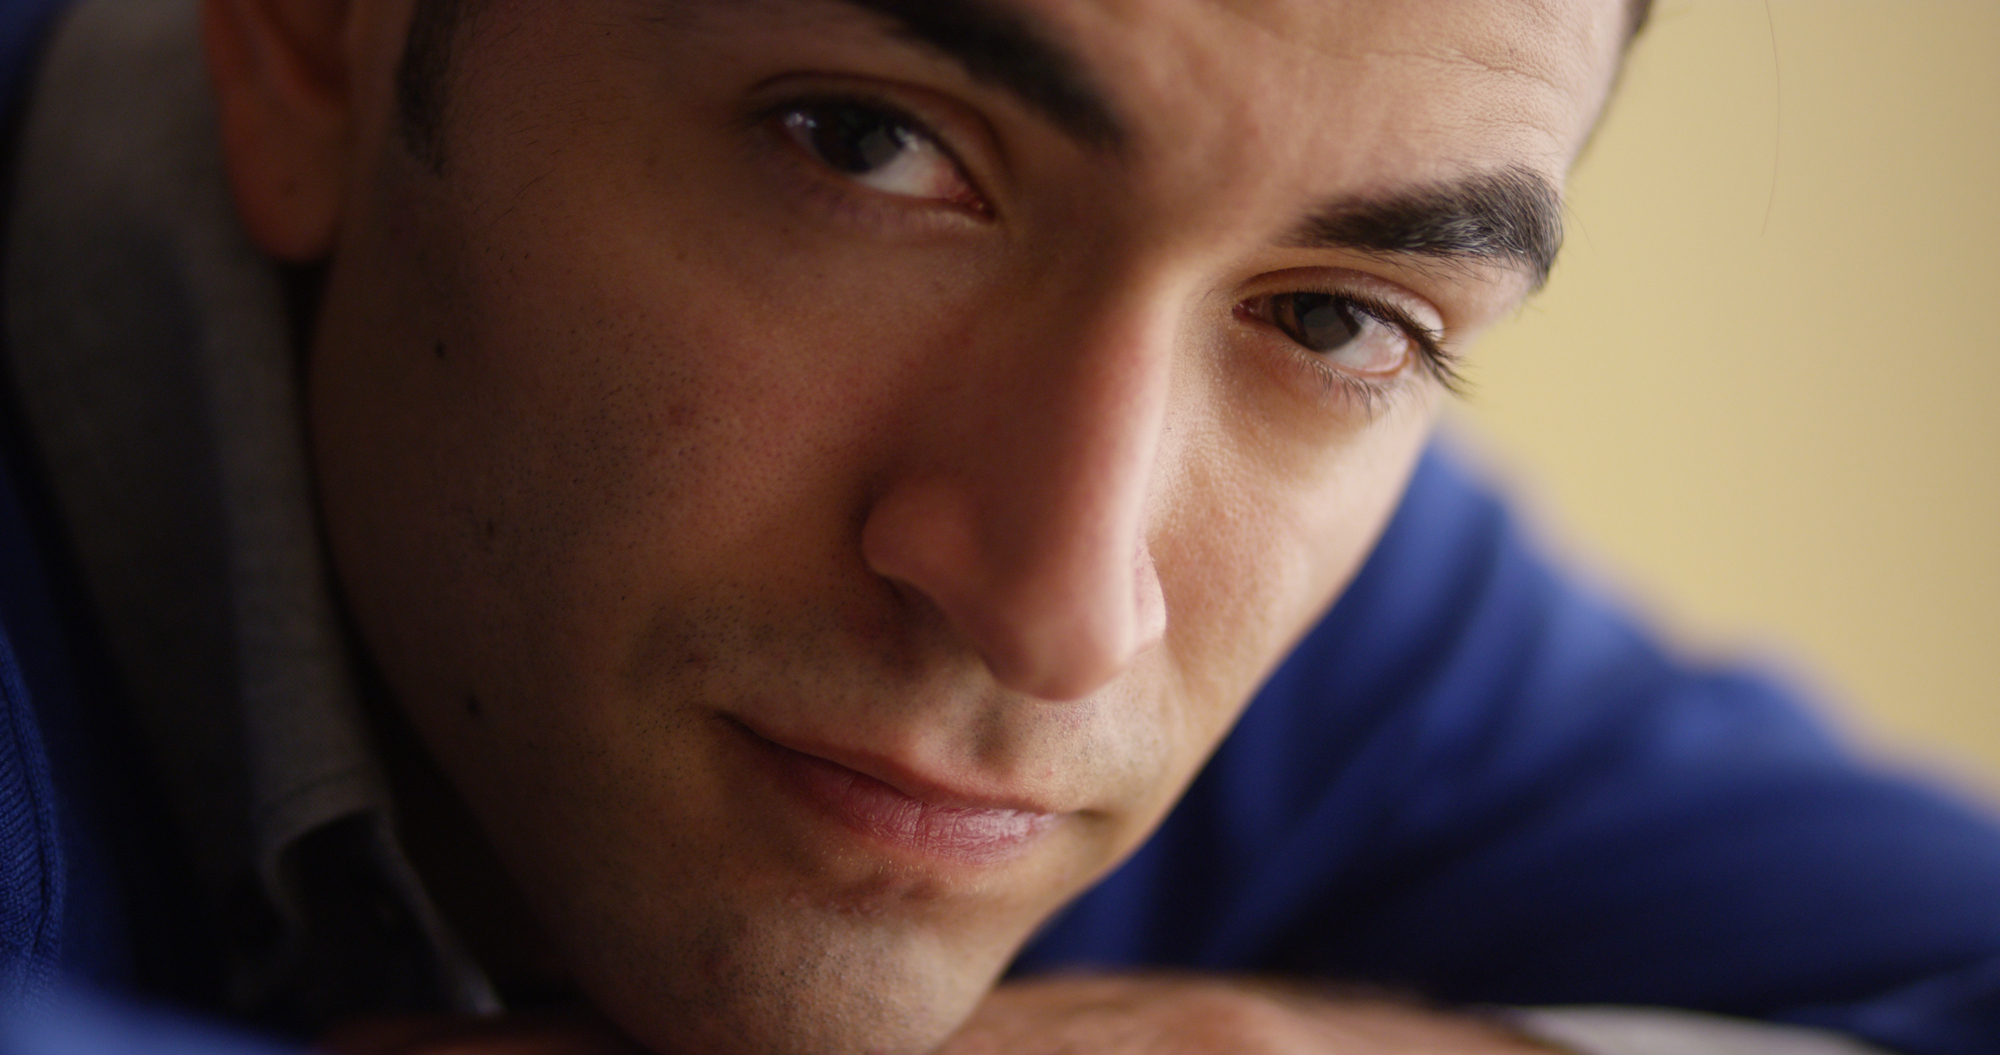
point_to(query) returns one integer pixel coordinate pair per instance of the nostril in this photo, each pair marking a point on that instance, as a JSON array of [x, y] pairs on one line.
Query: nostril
[[1053, 609], [921, 538], [1025, 521], [1079, 655]]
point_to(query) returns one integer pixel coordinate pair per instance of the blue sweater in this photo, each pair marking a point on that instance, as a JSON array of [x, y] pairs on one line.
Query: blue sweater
[[1478, 781], [1474, 780]]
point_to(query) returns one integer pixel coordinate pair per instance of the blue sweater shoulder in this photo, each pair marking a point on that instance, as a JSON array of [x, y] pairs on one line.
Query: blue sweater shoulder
[[1478, 781]]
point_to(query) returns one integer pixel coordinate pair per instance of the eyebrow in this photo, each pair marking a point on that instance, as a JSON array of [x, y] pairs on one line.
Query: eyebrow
[[996, 44], [1513, 214]]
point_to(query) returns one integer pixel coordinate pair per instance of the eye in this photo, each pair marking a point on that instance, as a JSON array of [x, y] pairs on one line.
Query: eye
[[1352, 335], [1364, 344], [880, 149]]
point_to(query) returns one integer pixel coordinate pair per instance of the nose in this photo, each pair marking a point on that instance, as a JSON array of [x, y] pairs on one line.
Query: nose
[[1022, 513]]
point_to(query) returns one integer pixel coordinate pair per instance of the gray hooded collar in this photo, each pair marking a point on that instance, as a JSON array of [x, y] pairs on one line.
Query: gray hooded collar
[[153, 355]]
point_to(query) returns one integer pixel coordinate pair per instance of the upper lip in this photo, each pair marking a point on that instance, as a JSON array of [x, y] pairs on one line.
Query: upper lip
[[904, 778]]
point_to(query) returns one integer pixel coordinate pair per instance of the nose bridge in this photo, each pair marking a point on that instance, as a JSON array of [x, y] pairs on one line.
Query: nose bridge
[[1067, 507], [1026, 525]]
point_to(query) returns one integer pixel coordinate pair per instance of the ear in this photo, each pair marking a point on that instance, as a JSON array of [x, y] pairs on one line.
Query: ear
[[281, 74]]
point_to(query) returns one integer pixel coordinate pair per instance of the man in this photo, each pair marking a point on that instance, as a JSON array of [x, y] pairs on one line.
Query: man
[[811, 483]]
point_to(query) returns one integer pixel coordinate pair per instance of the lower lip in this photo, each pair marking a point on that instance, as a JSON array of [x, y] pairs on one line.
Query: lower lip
[[970, 834]]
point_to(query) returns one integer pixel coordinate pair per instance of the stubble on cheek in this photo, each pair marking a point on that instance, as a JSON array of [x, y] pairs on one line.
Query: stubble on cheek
[[702, 911], [558, 558]]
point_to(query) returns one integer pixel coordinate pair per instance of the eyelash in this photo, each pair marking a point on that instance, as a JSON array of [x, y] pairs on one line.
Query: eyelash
[[1435, 360], [848, 194]]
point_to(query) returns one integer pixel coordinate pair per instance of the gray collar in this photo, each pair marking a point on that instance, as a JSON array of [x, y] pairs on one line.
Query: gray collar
[[153, 354]]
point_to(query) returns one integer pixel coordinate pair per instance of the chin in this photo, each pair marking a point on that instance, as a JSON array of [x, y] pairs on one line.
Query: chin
[[800, 982], [829, 1028]]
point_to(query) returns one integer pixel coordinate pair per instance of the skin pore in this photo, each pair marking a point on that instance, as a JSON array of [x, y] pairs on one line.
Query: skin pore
[[817, 503]]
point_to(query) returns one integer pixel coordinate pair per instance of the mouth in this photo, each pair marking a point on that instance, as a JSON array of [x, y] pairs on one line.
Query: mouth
[[910, 814]]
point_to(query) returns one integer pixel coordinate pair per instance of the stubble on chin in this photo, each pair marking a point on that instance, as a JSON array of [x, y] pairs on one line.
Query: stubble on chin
[[793, 979]]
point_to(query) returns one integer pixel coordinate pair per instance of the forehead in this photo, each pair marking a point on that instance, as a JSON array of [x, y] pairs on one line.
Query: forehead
[[1350, 96], [1466, 79]]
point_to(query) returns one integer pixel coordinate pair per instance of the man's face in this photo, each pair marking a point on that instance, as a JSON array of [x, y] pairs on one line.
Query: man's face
[[821, 480]]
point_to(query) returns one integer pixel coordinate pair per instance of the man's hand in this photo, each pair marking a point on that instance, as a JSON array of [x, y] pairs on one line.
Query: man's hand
[[1095, 1015], [1194, 1015]]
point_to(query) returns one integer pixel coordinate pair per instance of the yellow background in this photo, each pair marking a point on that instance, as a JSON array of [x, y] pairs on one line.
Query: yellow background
[[1759, 395]]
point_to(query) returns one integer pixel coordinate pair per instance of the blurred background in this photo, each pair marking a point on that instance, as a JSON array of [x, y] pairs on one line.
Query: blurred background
[[1761, 395]]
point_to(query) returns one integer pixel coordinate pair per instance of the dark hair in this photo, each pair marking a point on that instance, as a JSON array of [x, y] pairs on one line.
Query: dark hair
[[1637, 13], [423, 73]]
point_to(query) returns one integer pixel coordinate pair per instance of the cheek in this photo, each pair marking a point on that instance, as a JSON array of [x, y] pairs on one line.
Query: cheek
[[1259, 534], [609, 371]]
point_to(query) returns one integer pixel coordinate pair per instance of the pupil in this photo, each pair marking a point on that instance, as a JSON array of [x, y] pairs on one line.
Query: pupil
[[1325, 322], [856, 140]]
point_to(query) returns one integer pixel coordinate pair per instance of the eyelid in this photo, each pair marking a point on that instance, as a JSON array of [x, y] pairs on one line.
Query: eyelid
[[1386, 302], [960, 133], [1434, 358]]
